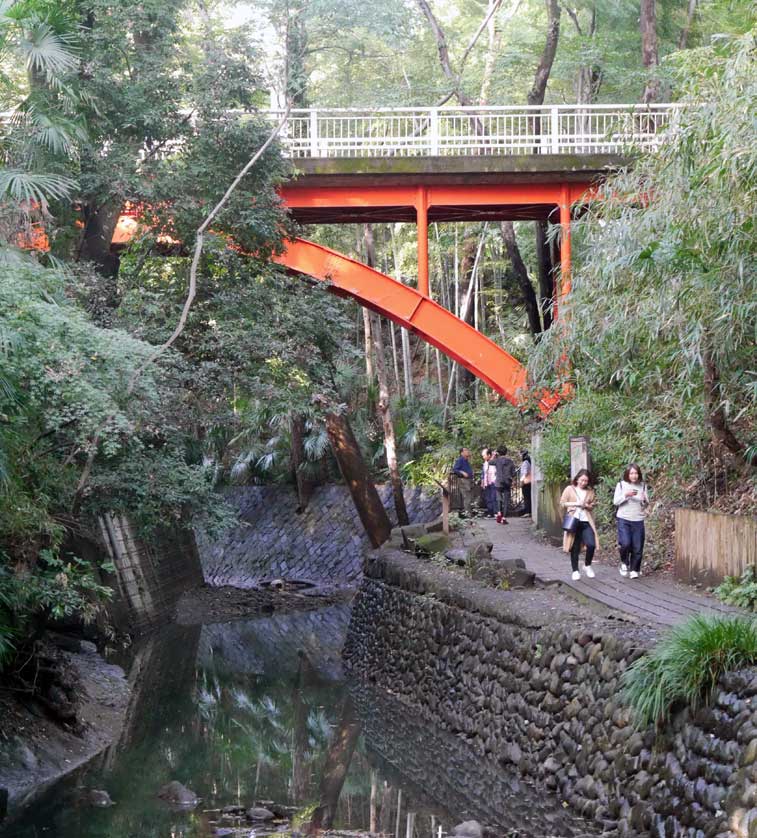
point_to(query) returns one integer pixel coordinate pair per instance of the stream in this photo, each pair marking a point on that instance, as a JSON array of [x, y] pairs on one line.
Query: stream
[[250, 712]]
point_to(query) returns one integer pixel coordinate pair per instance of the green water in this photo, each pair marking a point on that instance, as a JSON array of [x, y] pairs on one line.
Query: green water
[[245, 712]]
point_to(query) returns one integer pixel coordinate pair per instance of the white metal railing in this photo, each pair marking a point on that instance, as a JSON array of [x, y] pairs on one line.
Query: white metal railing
[[471, 131]]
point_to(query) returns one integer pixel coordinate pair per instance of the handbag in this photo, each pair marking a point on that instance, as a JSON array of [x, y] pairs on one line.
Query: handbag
[[569, 522]]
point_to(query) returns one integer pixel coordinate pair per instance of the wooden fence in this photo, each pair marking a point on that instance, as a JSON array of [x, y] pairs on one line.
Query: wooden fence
[[711, 546]]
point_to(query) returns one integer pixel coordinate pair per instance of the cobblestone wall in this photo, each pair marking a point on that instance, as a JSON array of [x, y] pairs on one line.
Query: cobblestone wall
[[541, 694], [324, 544]]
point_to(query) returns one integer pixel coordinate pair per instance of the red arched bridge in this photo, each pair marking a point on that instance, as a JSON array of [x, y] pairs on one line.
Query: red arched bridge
[[449, 164]]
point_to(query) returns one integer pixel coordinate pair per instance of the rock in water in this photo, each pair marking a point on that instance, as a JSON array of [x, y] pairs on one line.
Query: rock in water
[[260, 813], [178, 794], [468, 829]]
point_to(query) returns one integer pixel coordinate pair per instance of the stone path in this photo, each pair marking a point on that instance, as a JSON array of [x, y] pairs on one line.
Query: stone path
[[647, 600]]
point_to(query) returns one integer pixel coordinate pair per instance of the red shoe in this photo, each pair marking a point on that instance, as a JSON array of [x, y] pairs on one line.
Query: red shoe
[[499, 517]]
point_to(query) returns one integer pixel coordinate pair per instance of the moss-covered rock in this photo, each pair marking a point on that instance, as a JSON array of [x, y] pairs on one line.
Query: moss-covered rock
[[427, 545]]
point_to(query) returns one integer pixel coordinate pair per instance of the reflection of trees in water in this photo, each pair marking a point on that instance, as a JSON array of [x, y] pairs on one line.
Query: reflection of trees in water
[[265, 738]]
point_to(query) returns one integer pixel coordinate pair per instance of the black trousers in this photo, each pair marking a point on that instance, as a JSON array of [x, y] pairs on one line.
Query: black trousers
[[526, 487], [584, 535], [503, 496]]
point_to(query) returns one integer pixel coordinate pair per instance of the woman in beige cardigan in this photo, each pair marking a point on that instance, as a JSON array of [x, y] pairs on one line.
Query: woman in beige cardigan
[[579, 499]]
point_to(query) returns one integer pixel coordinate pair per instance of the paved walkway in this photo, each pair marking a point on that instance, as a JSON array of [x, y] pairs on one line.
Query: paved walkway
[[648, 600]]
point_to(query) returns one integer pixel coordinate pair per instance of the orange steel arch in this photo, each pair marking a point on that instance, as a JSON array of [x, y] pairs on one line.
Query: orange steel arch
[[411, 309]]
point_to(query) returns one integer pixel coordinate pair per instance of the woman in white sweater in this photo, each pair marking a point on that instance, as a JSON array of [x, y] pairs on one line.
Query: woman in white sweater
[[631, 502]]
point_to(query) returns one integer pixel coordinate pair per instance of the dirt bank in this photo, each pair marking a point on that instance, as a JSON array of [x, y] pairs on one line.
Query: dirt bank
[[210, 604], [35, 751]]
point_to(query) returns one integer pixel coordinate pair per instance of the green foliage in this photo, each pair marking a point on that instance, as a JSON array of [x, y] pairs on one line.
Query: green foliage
[[684, 667], [666, 286], [741, 591], [56, 589], [474, 426]]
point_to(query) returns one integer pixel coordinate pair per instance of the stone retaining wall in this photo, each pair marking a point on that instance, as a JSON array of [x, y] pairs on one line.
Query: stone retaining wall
[[323, 544], [538, 690], [150, 573]]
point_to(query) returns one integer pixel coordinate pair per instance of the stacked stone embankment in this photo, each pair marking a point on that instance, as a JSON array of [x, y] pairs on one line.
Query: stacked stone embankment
[[537, 687], [324, 544]]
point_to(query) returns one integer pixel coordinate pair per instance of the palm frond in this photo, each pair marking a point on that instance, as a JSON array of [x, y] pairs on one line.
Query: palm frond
[[47, 51], [316, 444], [35, 187]]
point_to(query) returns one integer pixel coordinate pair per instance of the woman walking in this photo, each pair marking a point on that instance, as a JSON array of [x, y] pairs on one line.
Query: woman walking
[[525, 481], [631, 501], [579, 529]]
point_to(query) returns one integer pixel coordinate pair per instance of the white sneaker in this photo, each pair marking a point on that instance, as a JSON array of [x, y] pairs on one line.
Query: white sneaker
[[576, 576], [633, 574], [589, 571], [623, 569]]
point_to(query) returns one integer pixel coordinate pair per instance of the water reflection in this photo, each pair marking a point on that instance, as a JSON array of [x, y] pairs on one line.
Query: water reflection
[[256, 712]]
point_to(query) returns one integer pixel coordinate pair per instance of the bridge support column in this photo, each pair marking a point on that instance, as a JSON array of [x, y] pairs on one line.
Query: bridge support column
[[421, 214], [565, 268]]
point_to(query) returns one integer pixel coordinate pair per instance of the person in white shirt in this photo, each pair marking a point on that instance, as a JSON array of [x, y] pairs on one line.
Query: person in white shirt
[[578, 500], [631, 501]]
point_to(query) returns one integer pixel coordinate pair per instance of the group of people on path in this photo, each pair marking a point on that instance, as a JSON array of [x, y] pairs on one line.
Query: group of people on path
[[498, 472], [631, 501]]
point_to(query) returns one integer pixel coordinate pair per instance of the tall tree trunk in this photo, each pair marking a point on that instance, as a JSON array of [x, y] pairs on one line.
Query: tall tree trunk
[[358, 480], [384, 402], [546, 273], [494, 37], [385, 410], [541, 77], [527, 292], [536, 97], [407, 362], [99, 227], [649, 55], [589, 75], [443, 50], [716, 415], [299, 738], [683, 41], [335, 770], [368, 345], [304, 485], [468, 265], [372, 818]]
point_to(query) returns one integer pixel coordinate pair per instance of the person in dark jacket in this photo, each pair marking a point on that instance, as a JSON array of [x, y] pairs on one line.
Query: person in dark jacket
[[463, 470], [505, 473]]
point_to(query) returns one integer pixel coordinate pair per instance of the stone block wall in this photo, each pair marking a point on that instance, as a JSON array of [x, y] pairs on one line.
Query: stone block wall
[[540, 692], [324, 544]]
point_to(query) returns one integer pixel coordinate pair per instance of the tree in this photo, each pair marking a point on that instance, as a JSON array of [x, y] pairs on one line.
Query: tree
[[45, 128], [384, 401], [663, 288], [650, 57]]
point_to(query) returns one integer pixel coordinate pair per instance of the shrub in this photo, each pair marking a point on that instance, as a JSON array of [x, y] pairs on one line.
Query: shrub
[[741, 591], [684, 668]]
